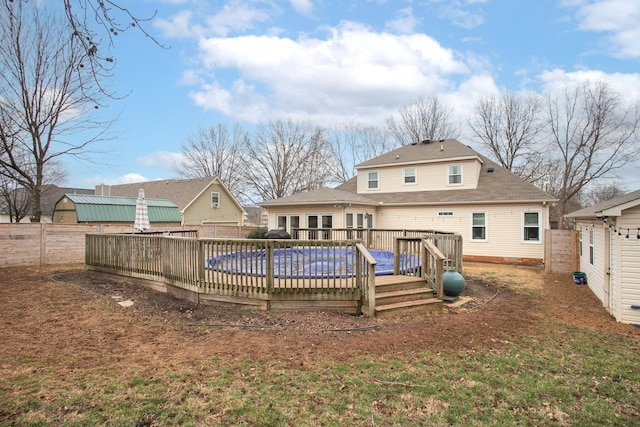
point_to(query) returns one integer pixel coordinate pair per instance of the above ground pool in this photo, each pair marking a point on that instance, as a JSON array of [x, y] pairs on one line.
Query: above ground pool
[[307, 262]]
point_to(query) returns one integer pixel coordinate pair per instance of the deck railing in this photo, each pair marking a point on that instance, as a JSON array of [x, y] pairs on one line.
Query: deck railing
[[287, 270], [450, 244], [237, 267]]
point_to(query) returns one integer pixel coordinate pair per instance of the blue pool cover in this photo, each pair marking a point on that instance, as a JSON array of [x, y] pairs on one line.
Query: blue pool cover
[[308, 262]]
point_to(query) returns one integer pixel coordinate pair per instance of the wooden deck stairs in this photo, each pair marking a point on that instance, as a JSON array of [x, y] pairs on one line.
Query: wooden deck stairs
[[401, 295]]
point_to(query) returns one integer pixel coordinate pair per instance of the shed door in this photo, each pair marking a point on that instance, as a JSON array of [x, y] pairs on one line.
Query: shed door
[[606, 300]]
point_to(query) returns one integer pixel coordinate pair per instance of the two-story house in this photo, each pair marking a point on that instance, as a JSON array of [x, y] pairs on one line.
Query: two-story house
[[434, 185]]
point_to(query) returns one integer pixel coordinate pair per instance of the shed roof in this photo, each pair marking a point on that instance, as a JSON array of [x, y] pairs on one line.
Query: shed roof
[[611, 207], [91, 208]]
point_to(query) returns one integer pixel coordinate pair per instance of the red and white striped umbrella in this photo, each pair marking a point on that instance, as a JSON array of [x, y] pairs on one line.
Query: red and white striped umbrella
[[142, 214]]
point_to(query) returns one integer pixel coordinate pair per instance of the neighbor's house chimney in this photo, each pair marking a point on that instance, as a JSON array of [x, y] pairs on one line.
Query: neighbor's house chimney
[[103, 190]]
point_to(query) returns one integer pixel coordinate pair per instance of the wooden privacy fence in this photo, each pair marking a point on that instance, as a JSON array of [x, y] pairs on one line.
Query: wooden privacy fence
[[286, 274]]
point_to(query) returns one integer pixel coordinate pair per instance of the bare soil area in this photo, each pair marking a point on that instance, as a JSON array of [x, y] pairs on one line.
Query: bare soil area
[[71, 314]]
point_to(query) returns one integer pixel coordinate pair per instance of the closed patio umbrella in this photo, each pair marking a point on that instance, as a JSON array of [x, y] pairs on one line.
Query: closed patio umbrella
[[141, 221]]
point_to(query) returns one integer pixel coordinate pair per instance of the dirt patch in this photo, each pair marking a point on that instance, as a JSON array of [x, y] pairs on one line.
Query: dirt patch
[[71, 313]]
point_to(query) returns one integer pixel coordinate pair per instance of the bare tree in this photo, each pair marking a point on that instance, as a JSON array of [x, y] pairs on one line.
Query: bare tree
[[47, 96], [602, 192], [593, 132], [285, 158], [216, 151], [351, 144], [15, 199], [423, 119], [508, 126], [94, 24]]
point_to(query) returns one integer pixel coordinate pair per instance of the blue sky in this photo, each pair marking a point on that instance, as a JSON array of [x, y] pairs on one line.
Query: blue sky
[[328, 61]]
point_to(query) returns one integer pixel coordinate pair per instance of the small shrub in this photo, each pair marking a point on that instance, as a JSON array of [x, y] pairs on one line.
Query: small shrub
[[258, 233]]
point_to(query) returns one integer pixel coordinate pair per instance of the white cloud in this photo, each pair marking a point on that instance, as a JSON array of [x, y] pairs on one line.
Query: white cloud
[[627, 85], [164, 159], [235, 16], [302, 6], [461, 13], [404, 23], [354, 72], [124, 179], [618, 18]]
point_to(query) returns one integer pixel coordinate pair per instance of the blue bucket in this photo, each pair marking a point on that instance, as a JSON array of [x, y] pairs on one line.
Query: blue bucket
[[579, 278]]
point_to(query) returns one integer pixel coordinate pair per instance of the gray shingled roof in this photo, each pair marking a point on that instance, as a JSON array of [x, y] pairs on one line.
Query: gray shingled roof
[[499, 186], [444, 149], [321, 196], [179, 191], [596, 210]]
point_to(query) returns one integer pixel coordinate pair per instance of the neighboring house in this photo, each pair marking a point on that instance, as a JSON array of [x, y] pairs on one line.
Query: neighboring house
[[48, 198], [201, 201], [609, 247], [91, 209], [435, 185], [256, 216]]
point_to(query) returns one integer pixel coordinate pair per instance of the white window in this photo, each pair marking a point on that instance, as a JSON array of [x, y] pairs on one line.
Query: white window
[[479, 226], [531, 226], [591, 240], [360, 219], [455, 174], [580, 246], [215, 200], [288, 223], [409, 175], [372, 180], [349, 221], [445, 213]]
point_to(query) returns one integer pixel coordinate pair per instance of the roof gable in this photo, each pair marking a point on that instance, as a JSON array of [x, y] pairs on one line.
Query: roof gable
[[611, 207], [425, 152], [182, 192]]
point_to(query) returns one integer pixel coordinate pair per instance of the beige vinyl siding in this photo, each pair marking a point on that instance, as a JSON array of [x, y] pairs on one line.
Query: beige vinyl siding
[[629, 266], [201, 211], [503, 222], [304, 211], [429, 177], [624, 265], [596, 271]]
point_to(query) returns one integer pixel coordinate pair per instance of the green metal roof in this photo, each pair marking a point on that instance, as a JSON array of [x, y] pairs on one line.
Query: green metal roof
[[91, 208]]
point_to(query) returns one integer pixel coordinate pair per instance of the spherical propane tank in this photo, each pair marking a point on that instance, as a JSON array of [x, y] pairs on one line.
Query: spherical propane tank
[[452, 283]]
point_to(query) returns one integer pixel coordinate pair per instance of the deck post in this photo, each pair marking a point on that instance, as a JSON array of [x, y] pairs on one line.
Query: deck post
[[270, 266]]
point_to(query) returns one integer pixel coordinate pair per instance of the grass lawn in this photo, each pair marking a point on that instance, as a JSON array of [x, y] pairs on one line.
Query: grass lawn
[[567, 377]]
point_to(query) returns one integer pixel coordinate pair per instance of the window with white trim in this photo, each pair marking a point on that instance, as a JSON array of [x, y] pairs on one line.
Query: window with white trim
[[288, 222], [591, 242], [455, 174], [372, 180], [360, 220], [580, 246], [531, 226], [479, 226], [215, 200], [409, 175], [349, 220]]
